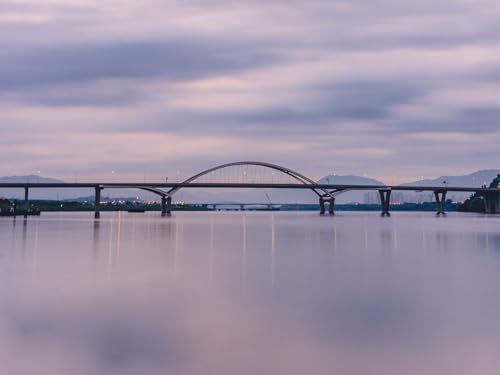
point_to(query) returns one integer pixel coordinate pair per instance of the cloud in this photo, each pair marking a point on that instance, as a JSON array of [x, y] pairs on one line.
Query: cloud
[[174, 60], [321, 78], [345, 100], [77, 95]]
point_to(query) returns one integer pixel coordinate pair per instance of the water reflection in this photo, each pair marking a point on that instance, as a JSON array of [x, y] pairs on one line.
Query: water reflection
[[247, 293], [273, 249], [23, 237], [244, 251]]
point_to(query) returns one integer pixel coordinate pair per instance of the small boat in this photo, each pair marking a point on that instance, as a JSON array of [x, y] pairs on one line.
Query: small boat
[[136, 210]]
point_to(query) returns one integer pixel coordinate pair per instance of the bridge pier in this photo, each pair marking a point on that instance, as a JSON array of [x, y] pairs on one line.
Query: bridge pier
[[163, 205], [440, 202], [321, 206], [26, 202], [491, 202], [97, 202], [166, 206], [385, 201], [331, 206]]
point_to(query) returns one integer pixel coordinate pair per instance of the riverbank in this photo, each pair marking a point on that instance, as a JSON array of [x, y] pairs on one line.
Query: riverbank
[[77, 206]]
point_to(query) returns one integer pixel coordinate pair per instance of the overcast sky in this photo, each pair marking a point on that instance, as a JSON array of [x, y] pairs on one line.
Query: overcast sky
[[393, 89]]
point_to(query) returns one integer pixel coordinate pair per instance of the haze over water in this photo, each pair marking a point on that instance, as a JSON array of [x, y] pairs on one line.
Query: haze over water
[[250, 293]]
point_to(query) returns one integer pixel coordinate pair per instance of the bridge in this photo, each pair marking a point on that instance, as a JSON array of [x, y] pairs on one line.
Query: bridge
[[260, 175]]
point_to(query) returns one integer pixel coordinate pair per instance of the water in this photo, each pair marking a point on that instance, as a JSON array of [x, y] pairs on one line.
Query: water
[[250, 293]]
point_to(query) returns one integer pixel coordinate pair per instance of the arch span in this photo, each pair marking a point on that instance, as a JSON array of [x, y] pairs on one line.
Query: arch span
[[295, 175]]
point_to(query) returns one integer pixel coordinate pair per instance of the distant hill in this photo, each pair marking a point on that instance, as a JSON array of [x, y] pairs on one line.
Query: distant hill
[[475, 179]]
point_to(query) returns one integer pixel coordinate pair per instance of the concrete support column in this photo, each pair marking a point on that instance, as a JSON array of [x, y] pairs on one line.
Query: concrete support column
[[385, 201], [485, 202], [26, 201], [321, 206], [492, 203], [440, 202], [97, 202], [331, 206], [163, 205], [168, 209], [496, 203]]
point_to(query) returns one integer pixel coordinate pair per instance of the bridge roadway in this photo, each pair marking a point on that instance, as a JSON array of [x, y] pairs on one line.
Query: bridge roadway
[[491, 196]]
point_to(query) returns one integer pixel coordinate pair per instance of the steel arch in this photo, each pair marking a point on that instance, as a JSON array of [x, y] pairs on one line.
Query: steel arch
[[297, 176]]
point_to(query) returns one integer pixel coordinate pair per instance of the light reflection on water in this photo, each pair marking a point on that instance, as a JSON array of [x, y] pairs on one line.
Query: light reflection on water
[[247, 293]]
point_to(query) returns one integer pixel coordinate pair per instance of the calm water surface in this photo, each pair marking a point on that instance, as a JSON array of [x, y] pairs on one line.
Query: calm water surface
[[250, 293]]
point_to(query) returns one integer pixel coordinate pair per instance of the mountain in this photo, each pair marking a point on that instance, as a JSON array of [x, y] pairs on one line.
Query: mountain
[[475, 179]]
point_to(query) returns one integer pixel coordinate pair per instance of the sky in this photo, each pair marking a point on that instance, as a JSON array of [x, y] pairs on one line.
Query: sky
[[131, 90]]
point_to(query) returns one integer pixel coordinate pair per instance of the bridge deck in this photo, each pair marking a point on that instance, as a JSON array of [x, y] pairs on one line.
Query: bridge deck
[[221, 185]]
